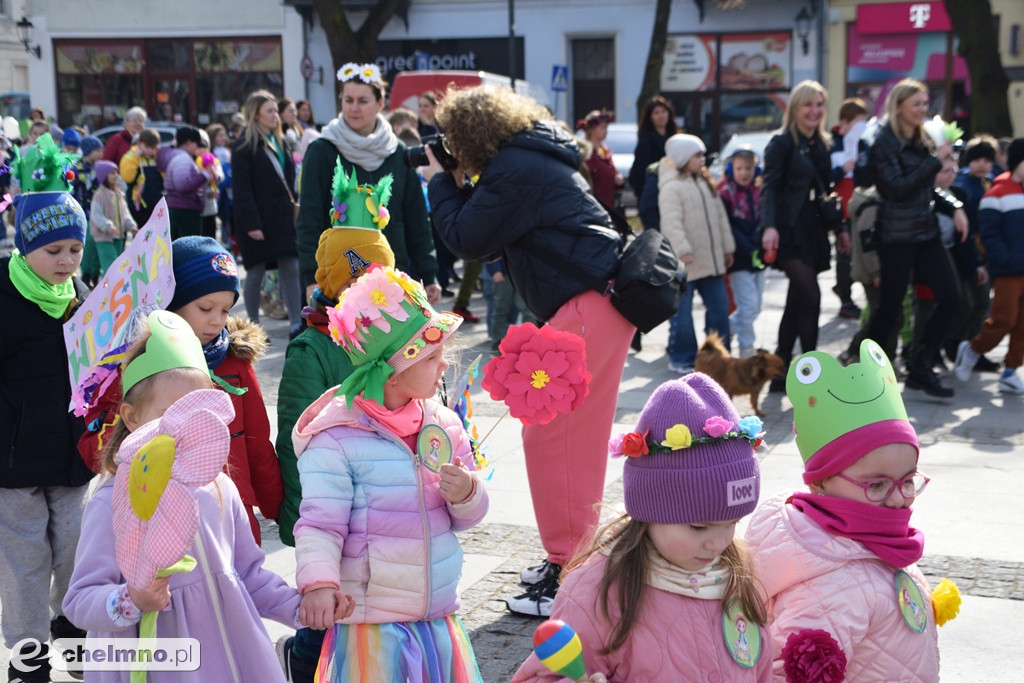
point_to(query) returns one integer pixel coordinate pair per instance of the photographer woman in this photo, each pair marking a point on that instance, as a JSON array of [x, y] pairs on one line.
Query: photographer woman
[[797, 172], [902, 162], [528, 206], [364, 141]]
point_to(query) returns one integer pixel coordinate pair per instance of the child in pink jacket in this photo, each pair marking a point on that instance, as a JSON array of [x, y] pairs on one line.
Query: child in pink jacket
[[385, 485], [666, 593], [837, 562]]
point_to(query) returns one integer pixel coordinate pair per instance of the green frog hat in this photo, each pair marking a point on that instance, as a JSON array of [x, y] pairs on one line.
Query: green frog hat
[[840, 414]]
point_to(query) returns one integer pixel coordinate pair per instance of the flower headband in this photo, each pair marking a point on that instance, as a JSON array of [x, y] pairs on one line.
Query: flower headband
[[679, 437], [594, 118], [367, 73]]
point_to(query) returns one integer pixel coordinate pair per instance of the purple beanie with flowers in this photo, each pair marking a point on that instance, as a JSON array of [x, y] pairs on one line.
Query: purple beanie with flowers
[[696, 463]]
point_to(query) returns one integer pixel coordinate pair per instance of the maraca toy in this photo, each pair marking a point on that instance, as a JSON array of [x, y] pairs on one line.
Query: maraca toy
[[558, 648]]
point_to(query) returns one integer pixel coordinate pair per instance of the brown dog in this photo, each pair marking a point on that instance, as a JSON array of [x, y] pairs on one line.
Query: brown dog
[[738, 375]]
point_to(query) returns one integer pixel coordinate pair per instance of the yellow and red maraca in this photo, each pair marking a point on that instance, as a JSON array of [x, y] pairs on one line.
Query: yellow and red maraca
[[558, 648]]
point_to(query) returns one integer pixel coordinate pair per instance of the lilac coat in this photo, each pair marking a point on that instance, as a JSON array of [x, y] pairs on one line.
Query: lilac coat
[[815, 580], [184, 181], [231, 589]]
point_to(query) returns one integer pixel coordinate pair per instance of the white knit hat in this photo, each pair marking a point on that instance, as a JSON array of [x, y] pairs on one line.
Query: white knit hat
[[681, 147]]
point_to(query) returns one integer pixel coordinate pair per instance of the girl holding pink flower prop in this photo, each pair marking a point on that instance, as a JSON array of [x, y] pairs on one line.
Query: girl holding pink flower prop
[[666, 592], [386, 484], [166, 548]]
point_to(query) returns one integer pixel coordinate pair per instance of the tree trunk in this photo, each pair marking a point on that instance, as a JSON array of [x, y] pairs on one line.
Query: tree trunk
[[349, 45], [979, 44], [655, 56]]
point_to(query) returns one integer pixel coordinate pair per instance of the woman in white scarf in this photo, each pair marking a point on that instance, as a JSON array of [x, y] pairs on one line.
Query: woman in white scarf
[[362, 138]]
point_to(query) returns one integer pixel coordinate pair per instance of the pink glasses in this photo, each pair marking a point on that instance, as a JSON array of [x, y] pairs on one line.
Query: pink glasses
[[881, 488]]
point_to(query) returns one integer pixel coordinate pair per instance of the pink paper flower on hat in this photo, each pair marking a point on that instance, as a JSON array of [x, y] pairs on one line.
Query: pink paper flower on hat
[[156, 514], [372, 296], [540, 374], [813, 656]]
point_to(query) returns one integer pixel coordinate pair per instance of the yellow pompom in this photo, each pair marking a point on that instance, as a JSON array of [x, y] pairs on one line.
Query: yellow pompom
[[946, 601]]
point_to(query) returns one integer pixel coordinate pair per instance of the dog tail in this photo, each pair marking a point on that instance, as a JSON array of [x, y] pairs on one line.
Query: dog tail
[[714, 344]]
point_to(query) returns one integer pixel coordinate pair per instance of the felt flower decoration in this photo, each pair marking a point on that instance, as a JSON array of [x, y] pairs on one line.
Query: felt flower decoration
[[156, 514], [678, 437], [813, 656], [750, 426], [946, 601], [717, 426], [348, 71], [369, 73], [634, 445], [540, 373], [376, 295], [339, 209]]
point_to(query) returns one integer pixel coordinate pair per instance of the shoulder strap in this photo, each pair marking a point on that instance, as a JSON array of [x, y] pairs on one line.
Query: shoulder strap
[[568, 267], [279, 171]]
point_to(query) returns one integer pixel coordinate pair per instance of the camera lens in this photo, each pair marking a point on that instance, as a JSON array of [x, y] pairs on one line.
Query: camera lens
[[416, 157]]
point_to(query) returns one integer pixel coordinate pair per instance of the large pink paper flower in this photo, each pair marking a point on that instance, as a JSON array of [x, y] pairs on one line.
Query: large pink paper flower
[[813, 656], [156, 514], [540, 374], [373, 295]]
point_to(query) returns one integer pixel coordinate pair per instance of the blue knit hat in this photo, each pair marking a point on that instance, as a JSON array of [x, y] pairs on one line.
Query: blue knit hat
[[201, 266], [71, 138], [90, 144], [45, 211]]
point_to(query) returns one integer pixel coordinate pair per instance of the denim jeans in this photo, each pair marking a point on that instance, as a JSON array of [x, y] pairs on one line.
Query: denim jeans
[[747, 291], [682, 338]]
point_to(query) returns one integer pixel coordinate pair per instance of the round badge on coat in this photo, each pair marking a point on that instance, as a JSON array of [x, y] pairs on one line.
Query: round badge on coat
[[911, 602], [434, 447], [742, 636]]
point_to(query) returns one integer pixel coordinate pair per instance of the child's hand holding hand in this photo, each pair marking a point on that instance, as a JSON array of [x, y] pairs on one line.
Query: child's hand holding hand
[[154, 598], [456, 482], [319, 607], [593, 678]]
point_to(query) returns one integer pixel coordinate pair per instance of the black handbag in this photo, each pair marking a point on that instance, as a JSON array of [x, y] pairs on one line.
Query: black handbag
[[649, 285], [831, 207]]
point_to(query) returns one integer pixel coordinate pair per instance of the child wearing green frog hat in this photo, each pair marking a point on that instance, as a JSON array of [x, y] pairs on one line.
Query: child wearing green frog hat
[[380, 503], [43, 482], [838, 562]]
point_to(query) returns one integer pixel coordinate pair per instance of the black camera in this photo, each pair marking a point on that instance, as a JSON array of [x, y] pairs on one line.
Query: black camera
[[417, 156]]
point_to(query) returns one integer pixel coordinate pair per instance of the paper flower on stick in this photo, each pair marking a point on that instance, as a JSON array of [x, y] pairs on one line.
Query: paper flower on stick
[[540, 374], [813, 656], [946, 602], [156, 514]]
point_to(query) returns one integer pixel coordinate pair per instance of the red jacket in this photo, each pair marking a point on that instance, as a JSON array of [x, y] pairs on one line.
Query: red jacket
[[117, 146], [252, 462]]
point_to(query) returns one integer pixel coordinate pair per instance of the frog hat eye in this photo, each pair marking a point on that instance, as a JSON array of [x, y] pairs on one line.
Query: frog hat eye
[[808, 370], [876, 353]]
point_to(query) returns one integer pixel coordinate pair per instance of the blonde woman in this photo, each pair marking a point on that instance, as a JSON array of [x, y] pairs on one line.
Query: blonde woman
[[797, 169], [263, 175], [902, 162], [530, 202]]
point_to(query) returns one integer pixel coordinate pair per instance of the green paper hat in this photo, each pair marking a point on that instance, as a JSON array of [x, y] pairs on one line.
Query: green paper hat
[[172, 344], [44, 167], [359, 206], [842, 413], [385, 324]]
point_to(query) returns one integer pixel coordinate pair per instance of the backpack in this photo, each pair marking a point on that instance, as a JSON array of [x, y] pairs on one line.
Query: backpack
[[863, 209]]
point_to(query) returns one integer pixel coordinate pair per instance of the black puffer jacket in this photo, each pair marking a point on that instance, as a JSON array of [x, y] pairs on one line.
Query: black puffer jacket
[[37, 433], [531, 191], [905, 177]]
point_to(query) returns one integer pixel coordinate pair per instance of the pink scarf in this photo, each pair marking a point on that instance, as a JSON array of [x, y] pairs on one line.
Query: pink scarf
[[884, 531], [404, 422]]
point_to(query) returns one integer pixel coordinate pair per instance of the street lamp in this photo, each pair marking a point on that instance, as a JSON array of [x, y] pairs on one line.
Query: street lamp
[[24, 28], [803, 29]]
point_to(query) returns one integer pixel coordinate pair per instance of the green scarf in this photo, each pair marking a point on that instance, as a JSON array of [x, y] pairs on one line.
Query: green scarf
[[53, 299]]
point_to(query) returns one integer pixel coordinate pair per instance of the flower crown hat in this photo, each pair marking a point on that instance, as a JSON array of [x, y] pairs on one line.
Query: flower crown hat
[[355, 239], [842, 413], [45, 211], [691, 459], [385, 324], [366, 73]]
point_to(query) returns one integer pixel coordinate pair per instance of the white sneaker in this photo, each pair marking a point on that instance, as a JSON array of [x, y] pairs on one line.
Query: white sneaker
[[680, 368], [966, 358], [1011, 384]]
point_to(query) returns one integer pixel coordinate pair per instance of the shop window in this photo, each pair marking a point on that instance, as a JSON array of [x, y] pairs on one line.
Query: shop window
[[750, 112], [593, 75], [169, 56]]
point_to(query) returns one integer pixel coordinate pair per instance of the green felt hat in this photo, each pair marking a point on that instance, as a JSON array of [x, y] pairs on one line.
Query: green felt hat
[[172, 344], [385, 324], [359, 206]]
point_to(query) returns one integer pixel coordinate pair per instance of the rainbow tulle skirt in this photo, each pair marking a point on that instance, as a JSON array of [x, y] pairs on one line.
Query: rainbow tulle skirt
[[435, 651]]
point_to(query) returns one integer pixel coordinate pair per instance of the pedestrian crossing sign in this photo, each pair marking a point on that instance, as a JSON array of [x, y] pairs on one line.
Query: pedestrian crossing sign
[[559, 78]]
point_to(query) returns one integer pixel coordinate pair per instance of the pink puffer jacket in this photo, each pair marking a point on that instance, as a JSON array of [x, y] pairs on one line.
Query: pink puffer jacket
[[814, 580]]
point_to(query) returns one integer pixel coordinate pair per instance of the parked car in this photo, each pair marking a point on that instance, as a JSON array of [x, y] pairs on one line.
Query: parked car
[[755, 142], [167, 130], [621, 140], [409, 85]]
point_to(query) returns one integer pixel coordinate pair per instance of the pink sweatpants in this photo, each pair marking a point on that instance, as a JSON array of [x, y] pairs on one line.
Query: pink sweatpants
[[566, 458]]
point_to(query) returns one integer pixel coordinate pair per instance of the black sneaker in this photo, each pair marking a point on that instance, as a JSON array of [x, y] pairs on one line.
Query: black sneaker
[[60, 628], [537, 600], [30, 669], [296, 670], [987, 365], [531, 576]]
